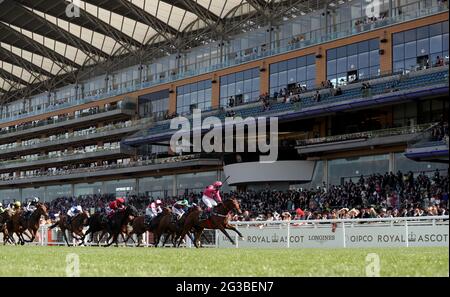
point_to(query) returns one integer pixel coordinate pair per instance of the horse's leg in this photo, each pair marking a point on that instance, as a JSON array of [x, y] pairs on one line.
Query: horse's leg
[[222, 228], [108, 243], [183, 235], [197, 236], [65, 236], [230, 227]]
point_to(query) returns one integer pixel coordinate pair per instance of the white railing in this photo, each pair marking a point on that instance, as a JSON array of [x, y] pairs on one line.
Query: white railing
[[339, 233]]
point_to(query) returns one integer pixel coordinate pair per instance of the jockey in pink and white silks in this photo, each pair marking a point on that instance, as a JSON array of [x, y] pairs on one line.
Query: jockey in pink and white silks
[[211, 195]]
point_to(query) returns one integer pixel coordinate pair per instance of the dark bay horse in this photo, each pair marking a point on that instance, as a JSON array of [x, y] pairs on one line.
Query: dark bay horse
[[219, 220], [21, 223], [159, 225], [75, 226], [119, 221], [5, 219]]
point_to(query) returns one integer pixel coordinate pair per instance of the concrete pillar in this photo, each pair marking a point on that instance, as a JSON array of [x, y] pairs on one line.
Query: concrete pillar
[[174, 185]]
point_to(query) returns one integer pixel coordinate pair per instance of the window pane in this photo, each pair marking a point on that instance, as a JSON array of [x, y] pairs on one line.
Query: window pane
[[436, 44], [311, 72], [399, 52], [363, 46], [397, 38], [410, 35], [292, 76], [410, 49], [352, 49], [422, 32], [374, 58], [310, 59], [301, 74], [292, 64], [399, 66], [352, 62], [331, 67], [341, 52], [423, 47], [274, 80], [273, 68], [445, 42], [436, 29], [301, 61], [374, 44], [342, 65], [363, 60], [331, 54]]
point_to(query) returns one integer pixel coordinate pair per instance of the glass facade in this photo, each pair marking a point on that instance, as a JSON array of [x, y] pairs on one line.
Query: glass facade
[[156, 187], [242, 86], [54, 192], [120, 188], [288, 73], [194, 182], [420, 48], [341, 170], [354, 61], [87, 189], [405, 165], [154, 104], [194, 96]]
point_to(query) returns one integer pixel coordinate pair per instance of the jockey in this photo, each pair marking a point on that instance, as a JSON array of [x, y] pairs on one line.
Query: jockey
[[16, 206], [73, 211], [111, 208], [31, 206], [211, 195], [153, 209], [120, 202], [180, 207]]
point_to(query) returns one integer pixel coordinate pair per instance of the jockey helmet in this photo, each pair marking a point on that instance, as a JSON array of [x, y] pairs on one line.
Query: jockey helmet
[[35, 199], [120, 200], [217, 184], [17, 204], [184, 202], [1, 205], [158, 201]]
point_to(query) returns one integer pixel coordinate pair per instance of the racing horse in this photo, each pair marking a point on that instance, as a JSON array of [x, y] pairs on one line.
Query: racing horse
[[119, 222], [5, 220], [158, 226], [21, 224], [98, 222], [74, 226], [219, 219]]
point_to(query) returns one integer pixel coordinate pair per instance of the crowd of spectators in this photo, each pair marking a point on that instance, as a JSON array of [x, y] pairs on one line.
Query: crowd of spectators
[[374, 196]]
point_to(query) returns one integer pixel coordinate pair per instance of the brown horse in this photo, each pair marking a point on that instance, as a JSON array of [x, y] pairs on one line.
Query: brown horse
[[118, 221], [158, 226], [219, 220], [21, 224], [5, 219], [75, 226]]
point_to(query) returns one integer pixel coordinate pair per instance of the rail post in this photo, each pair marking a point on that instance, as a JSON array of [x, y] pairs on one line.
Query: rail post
[[406, 233], [344, 239], [288, 244]]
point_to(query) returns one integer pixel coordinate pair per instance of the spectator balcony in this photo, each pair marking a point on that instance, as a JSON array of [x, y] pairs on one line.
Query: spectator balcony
[[431, 145], [116, 170], [360, 140], [105, 133], [122, 111], [65, 158]]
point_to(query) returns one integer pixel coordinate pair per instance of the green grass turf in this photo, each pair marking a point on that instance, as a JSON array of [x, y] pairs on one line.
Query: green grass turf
[[99, 261]]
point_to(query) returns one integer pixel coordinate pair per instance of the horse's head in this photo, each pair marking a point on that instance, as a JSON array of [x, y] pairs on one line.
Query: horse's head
[[85, 217], [166, 211], [232, 204], [131, 211], [42, 210]]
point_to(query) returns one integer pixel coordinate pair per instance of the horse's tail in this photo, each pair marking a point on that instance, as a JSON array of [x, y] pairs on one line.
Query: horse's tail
[[54, 225]]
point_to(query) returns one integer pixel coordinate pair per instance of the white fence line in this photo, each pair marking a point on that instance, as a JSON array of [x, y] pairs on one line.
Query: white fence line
[[376, 232], [400, 231]]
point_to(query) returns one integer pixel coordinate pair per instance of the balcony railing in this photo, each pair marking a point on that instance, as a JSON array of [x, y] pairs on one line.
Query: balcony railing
[[366, 135]]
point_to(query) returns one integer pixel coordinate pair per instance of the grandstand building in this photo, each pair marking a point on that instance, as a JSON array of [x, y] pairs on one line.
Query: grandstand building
[[88, 90]]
